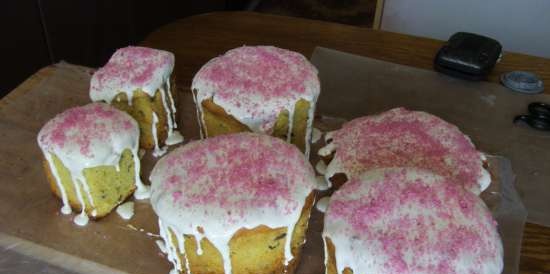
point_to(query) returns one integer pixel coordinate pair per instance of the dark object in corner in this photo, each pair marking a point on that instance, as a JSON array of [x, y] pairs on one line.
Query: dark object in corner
[[468, 56], [538, 116]]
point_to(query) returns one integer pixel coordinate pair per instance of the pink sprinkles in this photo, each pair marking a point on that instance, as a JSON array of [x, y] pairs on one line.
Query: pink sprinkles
[[77, 128], [411, 211], [131, 66], [235, 173], [400, 137], [249, 76]]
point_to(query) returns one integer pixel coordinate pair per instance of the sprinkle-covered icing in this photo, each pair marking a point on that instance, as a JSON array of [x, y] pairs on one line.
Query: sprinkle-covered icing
[[89, 136], [407, 220], [400, 138], [226, 183], [138, 68], [254, 84]]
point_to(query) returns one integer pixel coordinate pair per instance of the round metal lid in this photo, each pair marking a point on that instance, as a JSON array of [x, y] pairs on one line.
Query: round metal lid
[[522, 81]]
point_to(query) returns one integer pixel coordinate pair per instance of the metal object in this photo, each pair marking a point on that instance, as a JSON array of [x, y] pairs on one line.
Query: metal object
[[522, 81], [538, 116]]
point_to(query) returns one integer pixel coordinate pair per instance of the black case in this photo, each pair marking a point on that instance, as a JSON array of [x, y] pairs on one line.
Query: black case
[[468, 55]]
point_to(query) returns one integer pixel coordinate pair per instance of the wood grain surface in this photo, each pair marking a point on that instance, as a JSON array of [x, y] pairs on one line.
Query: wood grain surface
[[197, 39]]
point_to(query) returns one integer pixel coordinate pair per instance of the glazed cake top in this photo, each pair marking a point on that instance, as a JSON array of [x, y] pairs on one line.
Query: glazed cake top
[[407, 220], [254, 84], [241, 180], [130, 69], [91, 135], [398, 138], [225, 183]]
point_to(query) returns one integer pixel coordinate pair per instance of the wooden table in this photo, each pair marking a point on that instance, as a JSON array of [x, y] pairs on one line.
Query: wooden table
[[197, 39]]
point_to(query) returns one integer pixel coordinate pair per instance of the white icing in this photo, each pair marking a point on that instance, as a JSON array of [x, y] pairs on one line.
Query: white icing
[[66, 208], [126, 210], [219, 223], [410, 220], [316, 136], [84, 137], [321, 167], [405, 138], [258, 110], [174, 138], [322, 204], [136, 68], [157, 151], [322, 183]]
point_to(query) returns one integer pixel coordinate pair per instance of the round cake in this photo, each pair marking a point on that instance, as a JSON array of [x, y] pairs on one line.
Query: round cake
[[137, 80], [404, 138], [260, 89], [236, 203], [91, 159], [408, 220]]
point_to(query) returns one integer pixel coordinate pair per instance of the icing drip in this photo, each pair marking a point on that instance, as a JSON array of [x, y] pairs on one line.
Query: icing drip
[[66, 208], [322, 183], [322, 204], [400, 137], [126, 210], [195, 186], [321, 167], [84, 137], [157, 152], [81, 219], [316, 135], [254, 84], [138, 68], [161, 246], [142, 191], [174, 137], [200, 116], [408, 220]]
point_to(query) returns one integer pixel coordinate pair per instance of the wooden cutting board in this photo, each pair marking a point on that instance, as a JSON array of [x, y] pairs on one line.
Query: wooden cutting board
[[32, 224]]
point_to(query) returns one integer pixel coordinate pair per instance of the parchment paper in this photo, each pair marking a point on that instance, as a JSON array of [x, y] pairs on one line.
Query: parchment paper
[[32, 226], [354, 86]]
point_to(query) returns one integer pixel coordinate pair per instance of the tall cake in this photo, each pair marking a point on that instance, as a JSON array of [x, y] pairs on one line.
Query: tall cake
[[408, 220], [138, 81], [91, 159], [236, 203], [261, 89], [404, 138]]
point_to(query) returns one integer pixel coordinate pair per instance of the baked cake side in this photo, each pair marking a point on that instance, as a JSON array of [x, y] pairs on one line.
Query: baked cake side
[[138, 81], [261, 89], [91, 159], [235, 203]]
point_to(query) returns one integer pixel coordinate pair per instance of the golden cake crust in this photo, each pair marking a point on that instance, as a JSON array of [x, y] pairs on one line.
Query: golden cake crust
[[253, 251]]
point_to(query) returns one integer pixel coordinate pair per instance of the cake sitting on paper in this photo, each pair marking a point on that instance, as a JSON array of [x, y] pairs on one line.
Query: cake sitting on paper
[[404, 138], [91, 159], [261, 89], [236, 203], [138, 81], [408, 220]]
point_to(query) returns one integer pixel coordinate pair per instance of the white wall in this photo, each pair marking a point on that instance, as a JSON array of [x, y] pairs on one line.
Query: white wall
[[519, 25]]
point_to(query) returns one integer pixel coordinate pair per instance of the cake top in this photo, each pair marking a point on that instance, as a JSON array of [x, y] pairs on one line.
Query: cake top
[[407, 220], [90, 135], [254, 84], [237, 180], [399, 138], [214, 187], [130, 69]]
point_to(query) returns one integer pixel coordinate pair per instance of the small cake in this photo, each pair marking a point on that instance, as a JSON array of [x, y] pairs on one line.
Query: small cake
[[404, 138], [236, 203], [407, 220], [137, 80], [261, 89], [91, 159]]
